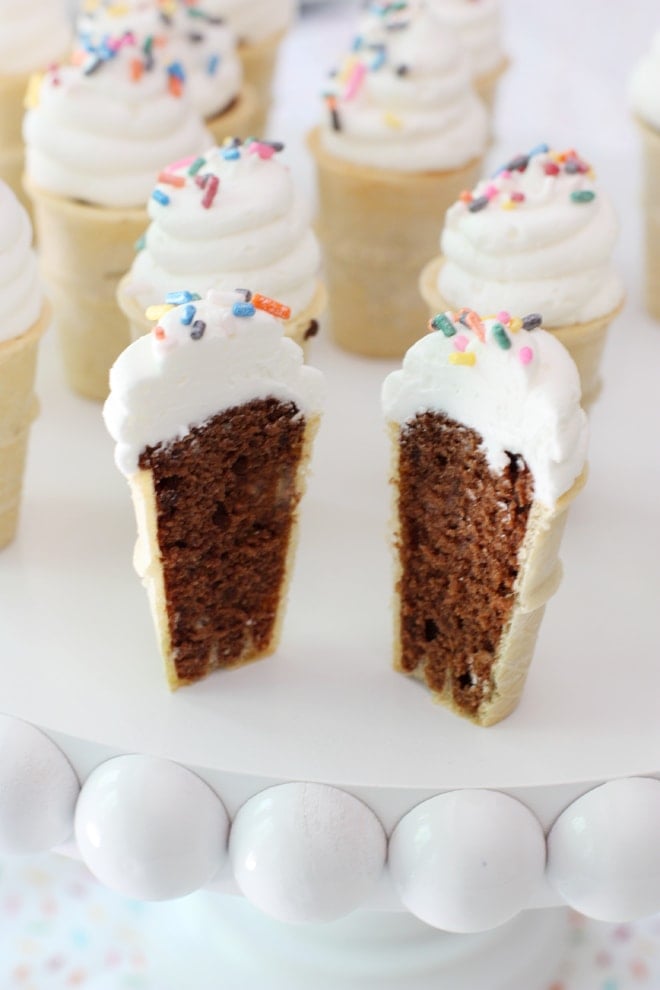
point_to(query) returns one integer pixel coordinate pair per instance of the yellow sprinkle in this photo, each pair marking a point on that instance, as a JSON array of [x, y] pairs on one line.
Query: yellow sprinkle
[[392, 120], [515, 324], [509, 204], [155, 312], [462, 357], [33, 91], [90, 6], [119, 10], [347, 68]]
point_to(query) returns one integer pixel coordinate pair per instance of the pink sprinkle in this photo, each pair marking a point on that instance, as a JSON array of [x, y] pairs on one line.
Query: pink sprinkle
[[210, 191], [518, 197], [354, 81], [504, 317], [182, 163], [118, 43], [461, 342], [265, 151], [505, 174], [526, 354], [491, 192]]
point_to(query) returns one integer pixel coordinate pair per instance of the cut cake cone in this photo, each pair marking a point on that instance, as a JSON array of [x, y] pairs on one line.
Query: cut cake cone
[[12, 152], [651, 199], [242, 119], [538, 578], [585, 342], [18, 408], [84, 251], [251, 639], [259, 61], [301, 327], [378, 227]]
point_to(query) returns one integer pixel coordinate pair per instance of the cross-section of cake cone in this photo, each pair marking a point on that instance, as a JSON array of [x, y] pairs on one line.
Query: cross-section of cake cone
[[489, 445], [18, 409], [216, 499], [651, 201]]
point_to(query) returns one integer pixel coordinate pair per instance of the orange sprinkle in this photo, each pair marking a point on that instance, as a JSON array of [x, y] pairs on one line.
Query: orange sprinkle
[[465, 196], [474, 323], [175, 86], [170, 179], [271, 306], [78, 57], [159, 333], [137, 69]]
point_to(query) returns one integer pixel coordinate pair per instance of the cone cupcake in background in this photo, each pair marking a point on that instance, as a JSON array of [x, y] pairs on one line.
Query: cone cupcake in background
[[186, 34], [477, 24], [33, 35], [645, 104], [214, 416], [96, 135], [229, 218], [404, 133], [489, 406], [538, 233], [25, 318]]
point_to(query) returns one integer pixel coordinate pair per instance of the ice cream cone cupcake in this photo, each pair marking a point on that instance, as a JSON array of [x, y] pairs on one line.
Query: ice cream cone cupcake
[[492, 407], [96, 135], [32, 36], [539, 232], [404, 131], [214, 416], [230, 218], [645, 103], [26, 317]]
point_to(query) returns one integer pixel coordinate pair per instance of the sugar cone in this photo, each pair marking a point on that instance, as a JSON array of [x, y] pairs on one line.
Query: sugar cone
[[148, 562], [259, 61], [18, 408], [242, 119], [84, 250], [486, 85], [538, 578], [12, 94], [585, 342], [377, 228], [300, 327], [651, 200]]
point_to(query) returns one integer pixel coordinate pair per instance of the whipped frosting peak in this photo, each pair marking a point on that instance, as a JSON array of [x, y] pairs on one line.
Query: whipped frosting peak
[[644, 86], [229, 217], [33, 34], [507, 379], [203, 356], [20, 290], [99, 130], [537, 234], [477, 24], [402, 97]]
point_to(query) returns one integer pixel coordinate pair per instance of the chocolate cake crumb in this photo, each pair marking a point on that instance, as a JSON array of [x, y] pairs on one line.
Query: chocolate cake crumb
[[311, 330], [225, 502], [461, 529]]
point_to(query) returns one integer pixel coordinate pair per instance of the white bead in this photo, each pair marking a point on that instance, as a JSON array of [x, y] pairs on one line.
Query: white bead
[[150, 829], [467, 861], [38, 790], [604, 851], [306, 852]]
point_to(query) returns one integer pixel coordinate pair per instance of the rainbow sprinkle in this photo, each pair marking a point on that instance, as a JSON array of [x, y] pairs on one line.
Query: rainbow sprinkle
[[496, 329]]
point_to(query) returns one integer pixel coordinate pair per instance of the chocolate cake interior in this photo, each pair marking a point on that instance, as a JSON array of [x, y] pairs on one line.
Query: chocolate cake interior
[[225, 498], [461, 528]]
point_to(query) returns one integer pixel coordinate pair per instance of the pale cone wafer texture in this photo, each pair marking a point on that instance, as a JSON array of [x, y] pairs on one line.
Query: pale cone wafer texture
[[242, 119], [259, 63], [296, 327], [378, 227], [538, 578], [486, 85], [18, 409], [12, 152], [148, 564], [651, 201], [84, 250], [585, 342]]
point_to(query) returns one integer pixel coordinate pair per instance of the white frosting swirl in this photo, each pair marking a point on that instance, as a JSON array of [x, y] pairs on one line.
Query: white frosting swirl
[[403, 99], [543, 242], [644, 86], [33, 35], [200, 359], [205, 48], [477, 24], [102, 136], [256, 232], [521, 394], [20, 290], [253, 20]]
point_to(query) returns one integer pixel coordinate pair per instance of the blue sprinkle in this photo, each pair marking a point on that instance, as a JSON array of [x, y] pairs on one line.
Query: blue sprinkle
[[379, 58], [177, 70], [181, 296], [140, 243], [357, 43], [230, 154], [188, 315], [160, 197], [243, 309], [540, 149], [212, 64]]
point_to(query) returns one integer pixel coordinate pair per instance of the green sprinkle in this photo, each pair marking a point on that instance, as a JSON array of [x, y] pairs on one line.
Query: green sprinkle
[[442, 322], [501, 336], [583, 196], [196, 165], [140, 243]]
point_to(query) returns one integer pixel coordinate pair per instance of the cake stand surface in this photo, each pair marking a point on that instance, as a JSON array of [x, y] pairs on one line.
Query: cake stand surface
[[327, 709]]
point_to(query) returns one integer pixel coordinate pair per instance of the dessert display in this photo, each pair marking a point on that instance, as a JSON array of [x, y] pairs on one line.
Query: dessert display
[[25, 318], [645, 104], [477, 24], [97, 133], [538, 234], [201, 45], [404, 133], [232, 216], [214, 415], [489, 445]]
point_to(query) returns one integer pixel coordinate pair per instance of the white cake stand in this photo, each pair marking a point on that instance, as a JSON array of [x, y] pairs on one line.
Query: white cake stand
[[321, 761]]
